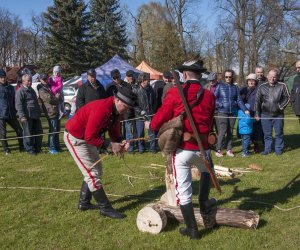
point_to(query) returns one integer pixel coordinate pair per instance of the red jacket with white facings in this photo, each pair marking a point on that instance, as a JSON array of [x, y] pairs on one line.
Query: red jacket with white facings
[[93, 119], [202, 113]]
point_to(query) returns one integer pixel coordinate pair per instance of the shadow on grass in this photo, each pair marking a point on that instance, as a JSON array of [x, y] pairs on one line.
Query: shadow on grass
[[140, 199], [265, 201], [291, 142]]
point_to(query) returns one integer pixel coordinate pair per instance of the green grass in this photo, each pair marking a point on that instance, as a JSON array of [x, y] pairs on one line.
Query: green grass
[[46, 219]]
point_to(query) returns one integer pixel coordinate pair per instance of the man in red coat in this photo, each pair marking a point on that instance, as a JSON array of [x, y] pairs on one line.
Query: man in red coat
[[82, 138], [188, 155]]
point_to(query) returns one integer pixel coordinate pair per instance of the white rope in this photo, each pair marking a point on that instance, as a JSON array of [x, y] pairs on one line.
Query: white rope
[[267, 118], [74, 190], [138, 118]]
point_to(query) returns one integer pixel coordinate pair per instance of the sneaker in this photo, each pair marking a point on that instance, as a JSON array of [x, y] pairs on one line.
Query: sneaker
[[265, 153], [53, 152], [219, 153], [278, 153], [245, 155], [7, 152], [230, 153]]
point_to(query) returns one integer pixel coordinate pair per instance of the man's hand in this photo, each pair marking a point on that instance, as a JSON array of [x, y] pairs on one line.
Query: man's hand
[[119, 148], [147, 124], [257, 118], [247, 112], [125, 145], [23, 119]]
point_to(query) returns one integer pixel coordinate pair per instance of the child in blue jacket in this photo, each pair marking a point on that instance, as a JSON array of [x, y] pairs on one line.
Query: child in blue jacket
[[245, 127]]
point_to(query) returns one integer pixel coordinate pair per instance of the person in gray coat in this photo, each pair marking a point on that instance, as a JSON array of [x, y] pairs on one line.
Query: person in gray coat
[[28, 111], [49, 103]]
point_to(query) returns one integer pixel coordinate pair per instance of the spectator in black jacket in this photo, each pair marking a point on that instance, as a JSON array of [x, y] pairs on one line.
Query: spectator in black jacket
[[295, 92], [260, 77], [271, 99], [29, 114], [91, 91], [117, 81], [129, 126], [146, 105], [8, 113]]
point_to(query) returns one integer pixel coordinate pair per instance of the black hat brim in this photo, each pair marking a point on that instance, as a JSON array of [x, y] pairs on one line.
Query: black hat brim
[[193, 68]]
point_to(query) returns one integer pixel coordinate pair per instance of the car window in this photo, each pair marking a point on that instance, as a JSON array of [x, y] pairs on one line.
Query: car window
[[69, 91]]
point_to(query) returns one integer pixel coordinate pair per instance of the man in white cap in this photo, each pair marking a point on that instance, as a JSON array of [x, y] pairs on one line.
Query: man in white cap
[[187, 154]]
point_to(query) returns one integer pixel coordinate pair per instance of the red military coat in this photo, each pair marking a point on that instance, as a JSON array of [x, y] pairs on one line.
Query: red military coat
[[202, 113], [93, 119]]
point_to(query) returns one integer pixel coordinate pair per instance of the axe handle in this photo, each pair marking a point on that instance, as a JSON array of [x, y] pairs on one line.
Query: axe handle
[[196, 135]]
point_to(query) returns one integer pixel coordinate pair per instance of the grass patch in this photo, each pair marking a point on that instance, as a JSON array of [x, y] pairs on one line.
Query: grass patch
[[48, 219]]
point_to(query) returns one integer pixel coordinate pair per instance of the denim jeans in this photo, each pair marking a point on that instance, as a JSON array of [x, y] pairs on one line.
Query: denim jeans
[[53, 139], [32, 127], [268, 124], [141, 134], [246, 140], [129, 134]]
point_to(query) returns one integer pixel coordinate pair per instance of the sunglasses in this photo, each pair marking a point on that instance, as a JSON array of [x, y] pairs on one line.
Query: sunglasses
[[228, 77], [116, 77]]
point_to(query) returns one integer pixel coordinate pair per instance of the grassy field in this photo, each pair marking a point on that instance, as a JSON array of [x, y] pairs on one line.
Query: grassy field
[[48, 219]]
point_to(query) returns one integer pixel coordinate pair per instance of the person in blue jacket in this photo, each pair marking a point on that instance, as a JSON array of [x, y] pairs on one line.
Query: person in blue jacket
[[228, 101], [245, 129]]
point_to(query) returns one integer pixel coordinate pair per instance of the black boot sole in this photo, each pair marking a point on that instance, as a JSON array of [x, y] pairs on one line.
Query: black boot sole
[[192, 233]]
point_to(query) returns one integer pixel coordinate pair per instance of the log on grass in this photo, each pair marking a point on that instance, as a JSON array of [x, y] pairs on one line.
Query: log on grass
[[225, 216], [151, 219]]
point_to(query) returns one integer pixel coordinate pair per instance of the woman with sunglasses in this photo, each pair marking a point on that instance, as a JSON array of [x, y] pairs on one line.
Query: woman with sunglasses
[[228, 101]]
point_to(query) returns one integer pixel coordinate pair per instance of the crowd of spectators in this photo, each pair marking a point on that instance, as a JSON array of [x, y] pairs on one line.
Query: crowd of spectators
[[258, 106]]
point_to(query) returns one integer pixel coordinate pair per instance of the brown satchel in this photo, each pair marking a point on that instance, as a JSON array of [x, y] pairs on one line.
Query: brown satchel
[[170, 134]]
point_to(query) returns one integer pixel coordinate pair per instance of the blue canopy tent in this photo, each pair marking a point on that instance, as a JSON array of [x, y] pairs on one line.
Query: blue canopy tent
[[103, 72]]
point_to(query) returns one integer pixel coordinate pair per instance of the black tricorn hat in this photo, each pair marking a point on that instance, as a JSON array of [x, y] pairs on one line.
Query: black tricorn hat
[[195, 64], [126, 95]]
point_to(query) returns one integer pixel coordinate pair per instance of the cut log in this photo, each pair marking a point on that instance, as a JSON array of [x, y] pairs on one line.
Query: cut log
[[151, 219], [225, 216]]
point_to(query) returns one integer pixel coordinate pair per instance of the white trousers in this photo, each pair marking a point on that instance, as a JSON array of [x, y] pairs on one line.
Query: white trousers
[[182, 162], [85, 155]]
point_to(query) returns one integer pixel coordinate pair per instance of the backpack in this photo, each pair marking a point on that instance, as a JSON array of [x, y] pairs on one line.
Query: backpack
[[170, 134]]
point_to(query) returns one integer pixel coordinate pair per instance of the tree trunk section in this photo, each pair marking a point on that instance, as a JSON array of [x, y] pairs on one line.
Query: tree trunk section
[[225, 216], [151, 219]]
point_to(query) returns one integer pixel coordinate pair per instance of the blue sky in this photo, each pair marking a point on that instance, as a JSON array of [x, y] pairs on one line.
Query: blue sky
[[25, 8]]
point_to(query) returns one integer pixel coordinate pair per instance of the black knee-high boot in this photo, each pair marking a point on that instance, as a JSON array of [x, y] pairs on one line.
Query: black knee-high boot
[[85, 198], [208, 207], [191, 229], [105, 207]]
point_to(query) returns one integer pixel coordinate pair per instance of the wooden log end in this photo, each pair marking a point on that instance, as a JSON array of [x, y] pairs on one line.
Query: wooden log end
[[151, 219]]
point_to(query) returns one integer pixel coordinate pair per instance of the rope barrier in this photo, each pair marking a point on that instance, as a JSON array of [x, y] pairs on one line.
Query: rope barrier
[[138, 118]]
